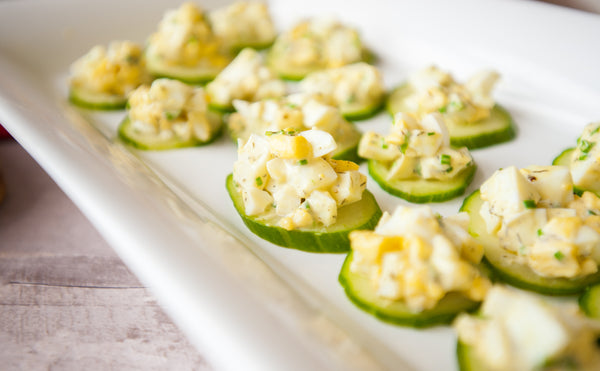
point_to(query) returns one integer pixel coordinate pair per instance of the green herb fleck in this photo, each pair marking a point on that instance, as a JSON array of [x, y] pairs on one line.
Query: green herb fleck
[[292, 105], [592, 212], [529, 204], [132, 59], [456, 105], [581, 158], [442, 109], [404, 145], [445, 159], [303, 162], [540, 232], [307, 205], [171, 115], [595, 130], [559, 255], [259, 181], [430, 133], [192, 39], [586, 146], [449, 169]]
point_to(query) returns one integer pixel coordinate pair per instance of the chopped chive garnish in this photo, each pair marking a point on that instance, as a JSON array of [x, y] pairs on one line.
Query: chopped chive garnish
[[595, 130], [592, 212], [259, 181], [529, 204], [586, 146], [307, 205], [303, 162], [171, 115], [442, 109], [559, 255], [445, 159], [540, 232], [430, 133], [581, 158], [449, 169]]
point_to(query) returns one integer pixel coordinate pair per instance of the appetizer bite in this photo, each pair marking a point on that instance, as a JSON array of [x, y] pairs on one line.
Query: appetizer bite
[[246, 78], [584, 160], [415, 160], [315, 44], [517, 331], [104, 77], [536, 233], [473, 119], [298, 112], [290, 192], [243, 24], [185, 48], [416, 268], [356, 89], [169, 114]]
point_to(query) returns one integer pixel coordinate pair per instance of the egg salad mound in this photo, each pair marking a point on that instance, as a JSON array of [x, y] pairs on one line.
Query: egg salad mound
[[298, 112], [184, 47], [245, 78], [104, 77], [517, 331], [415, 268], [418, 151], [537, 233], [287, 181], [357, 89], [169, 114], [315, 44], [469, 110], [243, 24]]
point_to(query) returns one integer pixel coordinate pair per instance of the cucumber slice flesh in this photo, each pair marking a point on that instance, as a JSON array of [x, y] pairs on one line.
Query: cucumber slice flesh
[[497, 128], [356, 111], [422, 190], [152, 142], [518, 275], [99, 101], [363, 214], [589, 301], [359, 290], [190, 75], [467, 359]]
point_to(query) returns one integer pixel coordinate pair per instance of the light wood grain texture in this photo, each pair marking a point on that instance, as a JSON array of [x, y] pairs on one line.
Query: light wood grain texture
[[67, 302]]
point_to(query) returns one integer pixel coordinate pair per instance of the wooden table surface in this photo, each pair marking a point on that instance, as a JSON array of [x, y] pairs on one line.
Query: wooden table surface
[[67, 302]]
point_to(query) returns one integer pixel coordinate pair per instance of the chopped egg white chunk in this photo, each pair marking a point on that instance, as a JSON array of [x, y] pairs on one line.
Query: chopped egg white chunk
[[289, 178], [519, 331], [243, 23], [171, 109], [585, 163], [434, 90], [540, 222], [246, 78], [417, 257], [116, 70], [416, 149]]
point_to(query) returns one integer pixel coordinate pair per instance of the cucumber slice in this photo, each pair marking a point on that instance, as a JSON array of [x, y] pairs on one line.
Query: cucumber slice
[[154, 143], [497, 128], [467, 359], [357, 111], [518, 275], [589, 301], [284, 71], [360, 291], [98, 101], [422, 190], [363, 214], [564, 158], [196, 75]]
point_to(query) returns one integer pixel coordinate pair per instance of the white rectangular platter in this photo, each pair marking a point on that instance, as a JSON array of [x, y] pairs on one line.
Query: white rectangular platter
[[245, 303]]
